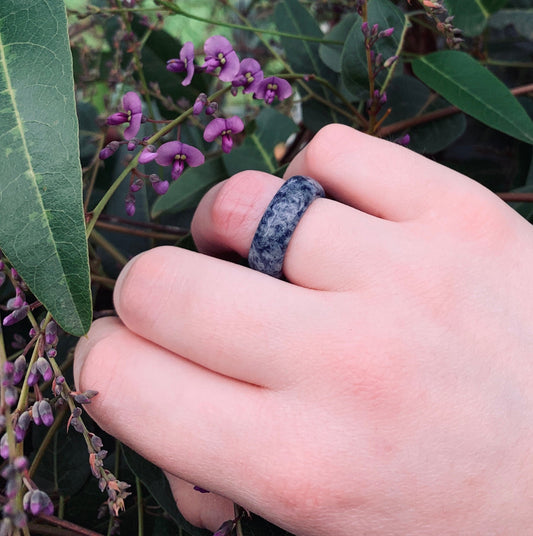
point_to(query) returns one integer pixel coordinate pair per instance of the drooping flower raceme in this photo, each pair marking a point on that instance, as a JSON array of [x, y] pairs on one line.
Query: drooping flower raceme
[[185, 63], [177, 154], [249, 76], [224, 128], [220, 53], [272, 87], [132, 114]]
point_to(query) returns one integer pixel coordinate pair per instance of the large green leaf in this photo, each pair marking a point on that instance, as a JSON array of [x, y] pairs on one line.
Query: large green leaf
[[521, 19], [42, 231], [407, 98], [471, 15], [474, 89], [303, 56]]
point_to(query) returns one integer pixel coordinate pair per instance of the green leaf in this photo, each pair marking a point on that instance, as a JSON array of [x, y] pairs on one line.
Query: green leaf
[[471, 15], [521, 19], [303, 57], [407, 98], [354, 63], [187, 191], [331, 54], [43, 230], [257, 151], [474, 89]]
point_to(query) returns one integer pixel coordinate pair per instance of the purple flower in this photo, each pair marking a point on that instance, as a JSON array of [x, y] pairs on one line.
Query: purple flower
[[250, 74], [220, 53], [272, 87], [225, 128], [184, 63], [132, 114], [178, 154]]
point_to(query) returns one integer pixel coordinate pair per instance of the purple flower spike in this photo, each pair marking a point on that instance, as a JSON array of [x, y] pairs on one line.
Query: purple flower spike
[[272, 87], [132, 114], [224, 128], [220, 53], [250, 74], [177, 154], [184, 63]]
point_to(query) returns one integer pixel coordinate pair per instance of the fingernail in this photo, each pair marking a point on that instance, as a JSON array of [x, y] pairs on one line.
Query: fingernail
[[99, 330], [122, 278]]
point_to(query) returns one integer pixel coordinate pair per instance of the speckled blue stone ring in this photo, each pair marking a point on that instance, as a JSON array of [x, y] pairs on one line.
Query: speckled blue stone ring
[[279, 222]]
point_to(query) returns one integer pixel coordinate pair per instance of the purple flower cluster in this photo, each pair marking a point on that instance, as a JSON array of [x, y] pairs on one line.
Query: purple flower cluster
[[220, 60]]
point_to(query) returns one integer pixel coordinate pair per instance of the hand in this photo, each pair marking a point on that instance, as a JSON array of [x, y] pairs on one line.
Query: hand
[[385, 389]]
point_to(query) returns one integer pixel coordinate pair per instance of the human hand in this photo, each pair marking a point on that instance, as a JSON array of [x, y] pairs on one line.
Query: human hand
[[385, 389]]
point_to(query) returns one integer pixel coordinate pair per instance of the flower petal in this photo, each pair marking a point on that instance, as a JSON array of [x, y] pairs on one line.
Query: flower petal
[[284, 88], [167, 152], [117, 119], [147, 155], [214, 129], [234, 124], [132, 102], [194, 156], [135, 125], [230, 69], [215, 44]]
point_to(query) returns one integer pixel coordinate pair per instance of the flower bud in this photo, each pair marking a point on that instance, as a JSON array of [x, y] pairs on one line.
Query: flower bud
[[23, 423], [50, 333], [40, 503], [4, 447], [160, 187], [148, 154], [130, 204], [19, 368], [45, 411], [390, 61], [44, 368], [109, 150], [17, 315], [11, 395], [386, 33], [136, 185], [35, 415]]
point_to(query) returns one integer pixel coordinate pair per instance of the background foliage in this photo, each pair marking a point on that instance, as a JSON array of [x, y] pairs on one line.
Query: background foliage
[[461, 90]]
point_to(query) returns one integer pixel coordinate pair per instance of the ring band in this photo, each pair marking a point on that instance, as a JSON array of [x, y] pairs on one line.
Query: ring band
[[278, 223]]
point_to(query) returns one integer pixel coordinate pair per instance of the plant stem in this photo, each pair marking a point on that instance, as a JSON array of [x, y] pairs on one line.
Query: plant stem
[[178, 11]]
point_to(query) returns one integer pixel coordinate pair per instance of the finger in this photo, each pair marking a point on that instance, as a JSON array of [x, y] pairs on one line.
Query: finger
[[379, 177], [189, 421], [225, 317], [334, 247], [204, 510]]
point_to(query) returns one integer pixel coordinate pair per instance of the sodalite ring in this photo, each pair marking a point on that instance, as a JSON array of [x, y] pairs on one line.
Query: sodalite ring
[[278, 223]]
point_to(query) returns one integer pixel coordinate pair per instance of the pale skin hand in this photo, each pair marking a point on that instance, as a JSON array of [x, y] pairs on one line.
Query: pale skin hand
[[386, 389]]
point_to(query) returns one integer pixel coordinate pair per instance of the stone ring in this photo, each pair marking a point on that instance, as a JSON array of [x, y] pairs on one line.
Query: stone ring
[[278, 223]]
